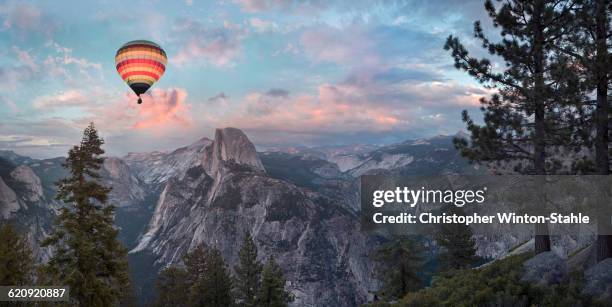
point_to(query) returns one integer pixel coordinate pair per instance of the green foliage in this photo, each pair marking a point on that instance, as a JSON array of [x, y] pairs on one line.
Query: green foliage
[[248, 274], [535, 109], [272, 292], [213, 287], [16, 262], [204, 282], [497, 284], [458, 246], [399, 264], [532, 107], [172, 287], [88, 257]]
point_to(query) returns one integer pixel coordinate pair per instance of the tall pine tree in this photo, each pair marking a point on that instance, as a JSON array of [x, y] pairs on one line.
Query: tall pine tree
[[589, 46], [16, 261], [88, 257], [211, 285], [458, 246], [400, 262], [527, 118], [272, 292], [248, 274], [172, 286]]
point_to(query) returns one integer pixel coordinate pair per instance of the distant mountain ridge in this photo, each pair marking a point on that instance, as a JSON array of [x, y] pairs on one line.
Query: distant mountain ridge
[[300, 205]]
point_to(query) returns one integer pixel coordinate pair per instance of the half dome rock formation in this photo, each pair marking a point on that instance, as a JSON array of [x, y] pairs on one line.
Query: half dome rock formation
[[231, 145], [314, 237]]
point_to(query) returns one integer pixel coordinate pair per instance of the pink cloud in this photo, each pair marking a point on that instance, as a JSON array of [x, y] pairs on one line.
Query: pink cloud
[[349, 108], [161, 111], [162, 108], [289, 6], [261, 5], [332, 109], [25, 58]]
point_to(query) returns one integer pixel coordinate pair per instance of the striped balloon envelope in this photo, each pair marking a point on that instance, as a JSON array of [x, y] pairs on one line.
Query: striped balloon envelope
[[140, 63]]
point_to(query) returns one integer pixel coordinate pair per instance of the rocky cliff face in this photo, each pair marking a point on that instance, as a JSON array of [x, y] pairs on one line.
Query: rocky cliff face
[[157, 167], [8, 201], [231, 146], [127, 188], [33, 190], [22, 202], [315, 238]]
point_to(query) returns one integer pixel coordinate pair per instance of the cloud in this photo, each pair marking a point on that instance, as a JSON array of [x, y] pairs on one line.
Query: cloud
[[261, 5], [220, 96], [12, 76], [10, 103], [24, 69], [69, 98], [25, 58], [24, 19], [219, 101], [277, 92], [163, 118], [345, 46], [219, 46], [63, 61], [161, 108], [389, 104], [260, 25], [42, 138], [285, 6], [60, 64]]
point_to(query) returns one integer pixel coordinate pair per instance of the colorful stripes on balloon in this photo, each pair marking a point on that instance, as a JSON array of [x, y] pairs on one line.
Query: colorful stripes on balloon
[[140, 64]]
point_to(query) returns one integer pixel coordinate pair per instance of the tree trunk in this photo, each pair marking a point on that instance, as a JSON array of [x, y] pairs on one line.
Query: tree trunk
[[542, 239], [604, 240]]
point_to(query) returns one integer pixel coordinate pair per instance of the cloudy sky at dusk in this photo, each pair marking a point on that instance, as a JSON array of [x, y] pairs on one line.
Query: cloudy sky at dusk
[[286, 72]]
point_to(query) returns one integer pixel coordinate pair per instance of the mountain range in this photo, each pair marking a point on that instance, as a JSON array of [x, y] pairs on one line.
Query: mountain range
[[300, 204]]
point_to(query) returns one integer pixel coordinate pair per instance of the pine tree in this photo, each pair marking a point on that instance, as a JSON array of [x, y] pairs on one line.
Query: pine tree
[[195, 263], [458, 246], [399, 264], [172, 285], [88, 257], [530, 114], [16, 261], [248, 274], [212, 286], [589, 45], [272, 292]]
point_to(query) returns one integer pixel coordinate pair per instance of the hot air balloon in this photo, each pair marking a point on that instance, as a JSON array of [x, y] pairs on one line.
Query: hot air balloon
[[140, 63]]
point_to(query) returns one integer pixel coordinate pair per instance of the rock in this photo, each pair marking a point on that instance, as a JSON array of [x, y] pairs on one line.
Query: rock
[[127, 188], [382, 161], [231, 145], [545, 269], [8, 201], [315, 239], [31, 182], [598, 280], [157, 167]]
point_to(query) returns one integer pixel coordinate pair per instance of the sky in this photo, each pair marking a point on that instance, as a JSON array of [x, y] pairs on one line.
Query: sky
[[288, 73]]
